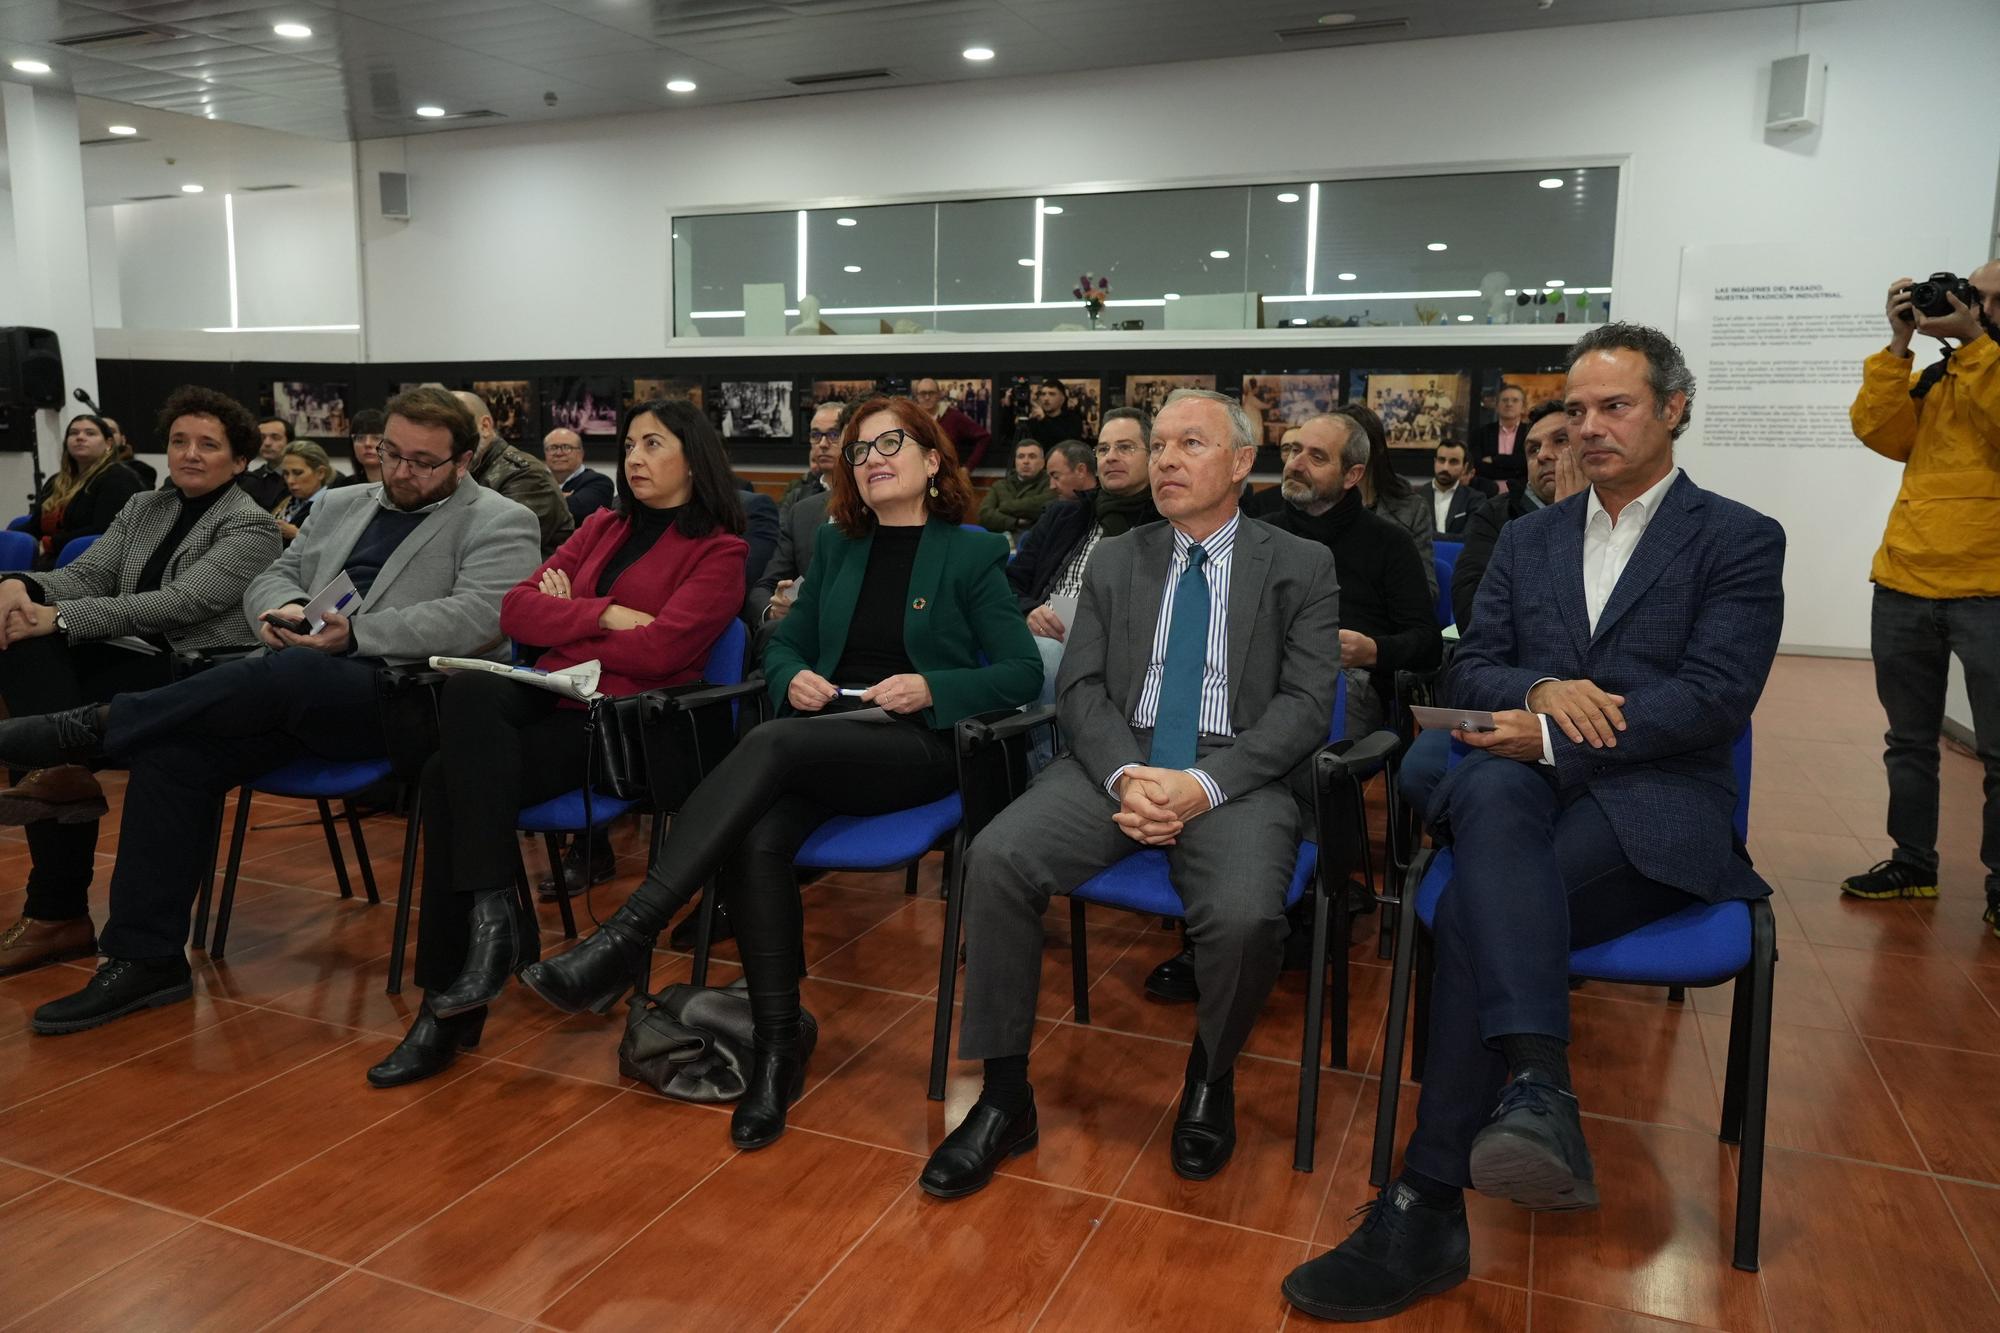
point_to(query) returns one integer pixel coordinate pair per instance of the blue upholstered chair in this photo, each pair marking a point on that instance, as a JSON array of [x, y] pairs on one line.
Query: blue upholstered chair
[[73, 548], [17, 550], [1705, 944]]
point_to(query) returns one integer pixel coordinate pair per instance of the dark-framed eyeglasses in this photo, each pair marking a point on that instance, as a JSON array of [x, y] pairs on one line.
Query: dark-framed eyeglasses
[[392, 457], [888, 444], [823, 436]]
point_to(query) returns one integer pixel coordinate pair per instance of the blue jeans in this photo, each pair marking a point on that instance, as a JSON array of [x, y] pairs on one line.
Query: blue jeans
[[1912, 640]]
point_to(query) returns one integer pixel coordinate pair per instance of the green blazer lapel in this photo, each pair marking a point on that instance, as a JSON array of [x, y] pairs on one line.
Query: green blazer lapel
[[843, 590], [933, 554]]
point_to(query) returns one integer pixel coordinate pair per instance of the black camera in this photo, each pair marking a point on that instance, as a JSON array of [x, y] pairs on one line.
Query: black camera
[[1929, 297]]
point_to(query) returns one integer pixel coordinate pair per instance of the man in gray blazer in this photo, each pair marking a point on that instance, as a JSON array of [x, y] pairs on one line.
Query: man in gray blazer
[[1198, 680], [431, 552]]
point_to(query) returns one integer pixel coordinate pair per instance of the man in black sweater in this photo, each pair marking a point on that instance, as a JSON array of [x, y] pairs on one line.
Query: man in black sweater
[[1548, 432]]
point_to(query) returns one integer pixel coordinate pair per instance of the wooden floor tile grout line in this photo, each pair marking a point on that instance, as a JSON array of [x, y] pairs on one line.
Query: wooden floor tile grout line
[[1074, 1260], [1966, 1236], [358, 1271], [306, 1300], [9, 1107], [75, 1287], [845, 1254]]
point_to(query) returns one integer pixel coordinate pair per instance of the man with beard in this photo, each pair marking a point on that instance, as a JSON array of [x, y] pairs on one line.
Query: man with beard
[[1053, 419], [1452, 499], [1547, 482]]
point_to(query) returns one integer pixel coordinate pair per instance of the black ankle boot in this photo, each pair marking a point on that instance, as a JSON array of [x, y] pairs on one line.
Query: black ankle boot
[[490, 958], [429, 1047], [776, 1081], [598, 970]]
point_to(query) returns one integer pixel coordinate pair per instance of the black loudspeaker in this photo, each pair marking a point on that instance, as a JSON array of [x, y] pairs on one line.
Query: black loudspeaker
[[31, 369]]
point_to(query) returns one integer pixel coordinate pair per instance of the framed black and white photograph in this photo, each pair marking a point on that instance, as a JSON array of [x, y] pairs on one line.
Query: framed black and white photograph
[[754, 409], [1149, 392], [1282, 401], [687, 388], [511, 404], [312, 409], [586, 404]]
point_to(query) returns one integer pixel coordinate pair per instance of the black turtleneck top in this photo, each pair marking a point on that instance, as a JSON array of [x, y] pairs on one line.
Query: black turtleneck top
[[874, 650], [649, 525], [154, 571]]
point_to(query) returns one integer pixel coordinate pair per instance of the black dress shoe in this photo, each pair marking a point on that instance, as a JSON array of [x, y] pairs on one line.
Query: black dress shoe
[[429, 1047], [776, 1081], [48, 740], [597, 972], [1205, 1130], [1172, 982], [122, 986], [1404, 1249], [1532, 1150], [587, 862], [969, 1155], [490, 958], [681, 938]]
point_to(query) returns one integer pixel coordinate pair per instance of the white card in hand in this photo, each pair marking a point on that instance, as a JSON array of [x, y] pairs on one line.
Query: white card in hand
[[339, 597], [1064, 607], [1452, 719]]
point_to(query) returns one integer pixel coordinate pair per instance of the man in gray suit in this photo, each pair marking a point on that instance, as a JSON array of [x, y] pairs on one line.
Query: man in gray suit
[[431, 552], [1198, 679]]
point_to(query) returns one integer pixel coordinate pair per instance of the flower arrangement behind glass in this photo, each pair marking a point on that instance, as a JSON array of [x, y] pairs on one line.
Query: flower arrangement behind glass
[[1093, 293]]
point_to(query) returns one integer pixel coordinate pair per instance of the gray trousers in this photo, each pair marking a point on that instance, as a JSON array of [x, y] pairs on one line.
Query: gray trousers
[[1231, 867]]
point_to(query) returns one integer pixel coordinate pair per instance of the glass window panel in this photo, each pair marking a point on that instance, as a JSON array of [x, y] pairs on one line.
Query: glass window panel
[[893, 249]]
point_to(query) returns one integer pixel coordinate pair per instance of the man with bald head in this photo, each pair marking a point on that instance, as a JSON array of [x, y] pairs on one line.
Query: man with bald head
[[584, 489], [1188, 733], [520, 476], [966, 435]]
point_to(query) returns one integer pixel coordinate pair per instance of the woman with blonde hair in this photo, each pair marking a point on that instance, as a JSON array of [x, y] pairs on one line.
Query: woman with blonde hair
[[85, 494], [308, 473]]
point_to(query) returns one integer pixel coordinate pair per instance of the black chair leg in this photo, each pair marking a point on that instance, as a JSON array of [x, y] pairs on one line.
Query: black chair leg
[[227, 903], [1395, 1030], [910, 878], [1420, 1003], [1306, 1137], [1343, 923], [406, 891], [1677, 994], [1079, 961], [1750, 1177], [1736, 1068], [553, 843], [361, 853], [704, 930], [954, 921], [333, 851], [207, 894]]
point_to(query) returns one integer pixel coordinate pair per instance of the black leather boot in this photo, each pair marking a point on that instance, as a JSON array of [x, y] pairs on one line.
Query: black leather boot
[[429, 1047], [490, 958], [776, 1081], [598, 971]]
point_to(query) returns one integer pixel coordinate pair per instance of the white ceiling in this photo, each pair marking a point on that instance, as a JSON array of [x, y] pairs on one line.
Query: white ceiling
[[370, 63]]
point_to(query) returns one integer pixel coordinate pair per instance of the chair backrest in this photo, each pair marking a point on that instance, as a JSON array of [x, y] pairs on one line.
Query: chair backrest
[[1447, 549], [1740, 756], [1445, 615], [20, 524], [17, 550], [1338, 729], [725, 657], [73, 548]]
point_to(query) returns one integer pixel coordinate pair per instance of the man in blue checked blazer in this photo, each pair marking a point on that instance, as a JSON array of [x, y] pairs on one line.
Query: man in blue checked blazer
[[1198, 679], [1621, 639]]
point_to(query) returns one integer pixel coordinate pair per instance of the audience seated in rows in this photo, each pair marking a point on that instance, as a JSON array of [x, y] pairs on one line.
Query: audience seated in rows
[[263, 480], [364, 449], [771, 596], [1050, 419], [902, 610], [1389, 493], [167, 577], [822, 456], [1499, 448], [141, 469], [584, 489], [1016, 500], [1452, 495], [86, 492], [1186, 731], [966, 435], [518, 475], [431, 558], [1544, 452], [308, 475], [643, 589]]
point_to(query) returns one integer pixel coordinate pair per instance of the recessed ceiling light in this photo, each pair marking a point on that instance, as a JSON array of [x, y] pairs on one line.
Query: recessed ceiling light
[[1173, 296], [1025, 263], [1298, 323], [978, 53], [291, 30], [1465, 319], [430, 112], [850, 268], [1553, 282], [1335, 20], [680, 85], [191, 188], [31, 66], [1052, 210], [845, 222], [1550, 182], [1218, 254], [1437, 245], [121, 130], [1288, 198], [1345, 277]]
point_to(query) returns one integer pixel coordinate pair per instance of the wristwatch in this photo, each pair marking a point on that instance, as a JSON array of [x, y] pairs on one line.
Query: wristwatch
[[62, 627]]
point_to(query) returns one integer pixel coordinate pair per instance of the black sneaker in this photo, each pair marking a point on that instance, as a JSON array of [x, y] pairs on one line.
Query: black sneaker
[[1404, 1250], [1891, 879], [122, 986], [1532, 1150]]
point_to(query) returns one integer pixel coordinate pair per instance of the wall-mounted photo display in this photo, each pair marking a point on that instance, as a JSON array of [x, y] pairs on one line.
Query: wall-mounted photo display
[[1048, 408], [1541, 386], [512, 404], [312, 409], [586, 404], [1417, 410], [1281, 401], [843, 391], [686, 387], [754, 409], [1150, 391]]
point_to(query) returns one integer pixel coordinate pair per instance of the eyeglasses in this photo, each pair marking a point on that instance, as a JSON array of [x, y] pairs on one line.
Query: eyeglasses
[[562, 448], [888, 444], [391, 457], [824, 436], [1123, 449]]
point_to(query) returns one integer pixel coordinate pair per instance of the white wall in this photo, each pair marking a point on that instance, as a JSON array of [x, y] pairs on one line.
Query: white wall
[[10, 273], [295, 258], [173, 263]]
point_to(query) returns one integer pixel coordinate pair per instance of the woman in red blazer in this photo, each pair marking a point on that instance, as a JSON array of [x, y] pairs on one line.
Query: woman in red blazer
[[645, 589]]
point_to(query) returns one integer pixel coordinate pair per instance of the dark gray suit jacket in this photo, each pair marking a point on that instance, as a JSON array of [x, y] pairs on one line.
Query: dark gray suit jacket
[[794, 555], [1284, 655]]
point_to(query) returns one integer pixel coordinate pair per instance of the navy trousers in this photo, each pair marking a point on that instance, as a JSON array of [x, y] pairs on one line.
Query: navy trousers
[[1537, 873]]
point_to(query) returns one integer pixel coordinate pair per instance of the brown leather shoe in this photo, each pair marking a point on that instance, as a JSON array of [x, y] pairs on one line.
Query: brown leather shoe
[[68, 794], [29, 943]]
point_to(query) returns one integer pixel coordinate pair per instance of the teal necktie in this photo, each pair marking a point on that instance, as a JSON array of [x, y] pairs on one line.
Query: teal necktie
[[1178, 720]]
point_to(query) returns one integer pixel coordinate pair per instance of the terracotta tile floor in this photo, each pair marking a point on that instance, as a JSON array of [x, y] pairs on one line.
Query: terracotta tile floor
[[221, 1164]]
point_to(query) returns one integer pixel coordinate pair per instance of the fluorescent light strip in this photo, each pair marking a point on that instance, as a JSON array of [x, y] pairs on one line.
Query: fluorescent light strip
[[933, 309], [1568, 291], [1312, 234], [291, 328], [802, 256], [1038, 251], [229, 233], [1374, 296]]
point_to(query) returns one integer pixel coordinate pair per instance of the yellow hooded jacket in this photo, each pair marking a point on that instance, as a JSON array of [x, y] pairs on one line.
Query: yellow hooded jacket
[[1943, 538]]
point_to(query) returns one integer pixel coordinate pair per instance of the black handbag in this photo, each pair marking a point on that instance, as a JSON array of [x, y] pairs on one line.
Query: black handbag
[[694, 1043], [623, 735]]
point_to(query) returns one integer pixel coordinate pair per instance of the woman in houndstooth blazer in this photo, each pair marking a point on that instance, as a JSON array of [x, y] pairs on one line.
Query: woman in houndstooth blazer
[[166, 577]]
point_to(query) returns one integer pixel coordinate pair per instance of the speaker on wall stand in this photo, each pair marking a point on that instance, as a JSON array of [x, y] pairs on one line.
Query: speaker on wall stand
[[395, 194], [1797, 101]]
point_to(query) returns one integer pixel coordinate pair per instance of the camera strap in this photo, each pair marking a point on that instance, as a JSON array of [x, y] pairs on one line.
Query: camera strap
[[1932, 374]]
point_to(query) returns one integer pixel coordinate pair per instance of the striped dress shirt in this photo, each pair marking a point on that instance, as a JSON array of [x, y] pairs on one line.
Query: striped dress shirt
[[1215, 669]]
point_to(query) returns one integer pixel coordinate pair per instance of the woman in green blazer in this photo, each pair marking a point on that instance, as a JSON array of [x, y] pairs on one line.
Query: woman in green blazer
[[904, 626]]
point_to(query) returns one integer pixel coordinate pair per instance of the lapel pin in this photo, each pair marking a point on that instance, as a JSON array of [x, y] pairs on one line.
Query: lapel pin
[[918, 605]]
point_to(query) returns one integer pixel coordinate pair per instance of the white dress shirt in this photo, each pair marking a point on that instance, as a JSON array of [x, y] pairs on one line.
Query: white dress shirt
[[1440, 506], [1607, 548]]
